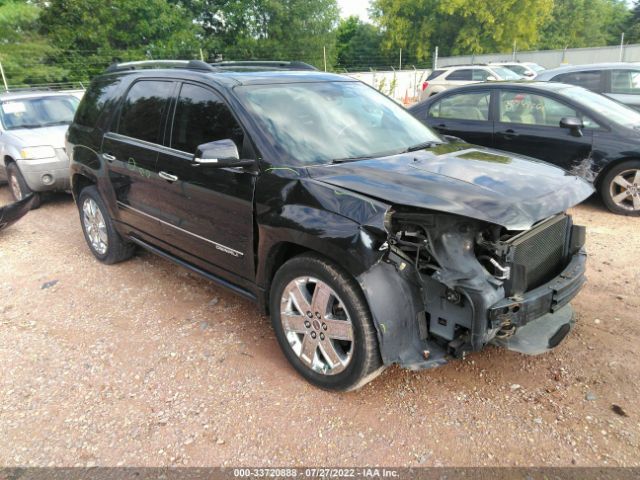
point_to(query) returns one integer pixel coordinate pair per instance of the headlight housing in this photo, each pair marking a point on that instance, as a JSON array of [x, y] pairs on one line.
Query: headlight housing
[[32, 153]]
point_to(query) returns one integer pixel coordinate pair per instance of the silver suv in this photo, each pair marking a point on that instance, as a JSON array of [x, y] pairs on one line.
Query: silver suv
[[32, 130], [444, 78]]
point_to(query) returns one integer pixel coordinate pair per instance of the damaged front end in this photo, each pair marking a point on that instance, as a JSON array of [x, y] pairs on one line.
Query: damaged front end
[[448, 285]]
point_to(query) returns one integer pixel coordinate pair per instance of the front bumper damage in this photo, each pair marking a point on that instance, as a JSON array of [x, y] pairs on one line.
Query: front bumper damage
[[423, 321]]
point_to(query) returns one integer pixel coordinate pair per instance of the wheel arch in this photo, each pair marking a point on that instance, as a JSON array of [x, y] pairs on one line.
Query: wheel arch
[[79, 182], [610, 166]]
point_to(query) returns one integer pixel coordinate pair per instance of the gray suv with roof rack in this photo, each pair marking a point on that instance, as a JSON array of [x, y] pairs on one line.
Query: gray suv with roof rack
[[619, 80], [32, 152]]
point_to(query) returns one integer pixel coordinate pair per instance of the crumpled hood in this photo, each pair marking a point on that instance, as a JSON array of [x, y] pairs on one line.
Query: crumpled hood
[[35, 137], [498, 187]]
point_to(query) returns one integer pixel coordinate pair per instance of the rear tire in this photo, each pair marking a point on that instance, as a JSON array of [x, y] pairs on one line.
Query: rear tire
[[323, 324], [104, 241], [18, 186], [620, 188]]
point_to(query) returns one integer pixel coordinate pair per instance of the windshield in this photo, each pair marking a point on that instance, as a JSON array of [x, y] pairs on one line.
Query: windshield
[[506, 74], [519, 69], [315, 123], [535, 67], [38, 112], [612, 110]]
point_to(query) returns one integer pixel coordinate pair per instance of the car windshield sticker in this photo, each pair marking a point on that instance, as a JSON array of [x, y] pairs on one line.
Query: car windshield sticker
[[13, 107]]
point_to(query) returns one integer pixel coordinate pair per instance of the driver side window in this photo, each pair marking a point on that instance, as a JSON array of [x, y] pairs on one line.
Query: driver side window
[[202, 117]]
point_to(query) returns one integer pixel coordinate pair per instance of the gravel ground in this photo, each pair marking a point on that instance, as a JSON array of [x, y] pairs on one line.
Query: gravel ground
[[146, 364]]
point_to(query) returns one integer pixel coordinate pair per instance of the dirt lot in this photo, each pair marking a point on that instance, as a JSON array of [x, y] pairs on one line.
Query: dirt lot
[[143, 363]]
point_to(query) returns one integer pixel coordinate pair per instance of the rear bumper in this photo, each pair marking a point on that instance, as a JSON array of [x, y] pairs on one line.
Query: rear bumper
[[540, 319]]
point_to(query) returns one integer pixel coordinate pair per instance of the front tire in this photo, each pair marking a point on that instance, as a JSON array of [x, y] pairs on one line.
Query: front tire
[[18, 186], [323, 324], [620, 188], [104, 241]]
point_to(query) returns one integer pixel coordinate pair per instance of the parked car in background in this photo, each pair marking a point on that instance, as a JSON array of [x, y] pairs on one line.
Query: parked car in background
[[370, 240], [581, 131], [527, 70], [620, 81], [32, 130], [444, 78]]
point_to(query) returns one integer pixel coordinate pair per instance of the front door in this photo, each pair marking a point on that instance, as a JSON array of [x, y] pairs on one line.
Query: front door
[[207, 212], [529, 124], [130, 153]]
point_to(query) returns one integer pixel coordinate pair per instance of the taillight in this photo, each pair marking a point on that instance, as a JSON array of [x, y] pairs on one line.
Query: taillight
[[424, 85]]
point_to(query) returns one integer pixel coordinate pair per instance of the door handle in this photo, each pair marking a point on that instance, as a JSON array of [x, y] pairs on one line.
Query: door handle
[[108, 157], [509, 134], [442, 125], [168, 177]]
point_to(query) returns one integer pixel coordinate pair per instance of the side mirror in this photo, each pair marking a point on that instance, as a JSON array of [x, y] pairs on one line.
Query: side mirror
[[219, 154], [574, 124], [491, 78]]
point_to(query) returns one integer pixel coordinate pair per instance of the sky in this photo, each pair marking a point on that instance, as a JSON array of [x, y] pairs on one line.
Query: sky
[[354, 7]]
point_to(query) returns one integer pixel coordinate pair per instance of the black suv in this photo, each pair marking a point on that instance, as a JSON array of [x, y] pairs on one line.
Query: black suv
[[368, 238]]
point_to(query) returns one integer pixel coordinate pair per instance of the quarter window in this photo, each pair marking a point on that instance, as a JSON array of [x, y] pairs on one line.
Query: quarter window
[[467, 106], [625, 81], [143, 109], [202, 117]]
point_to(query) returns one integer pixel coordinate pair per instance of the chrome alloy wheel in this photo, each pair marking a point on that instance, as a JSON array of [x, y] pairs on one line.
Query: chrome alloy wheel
[[317, 325], [15, 187], [95, 226], [625, 190]]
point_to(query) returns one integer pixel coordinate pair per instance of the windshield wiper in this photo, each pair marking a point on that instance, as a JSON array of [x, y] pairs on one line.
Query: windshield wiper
[[422, 146], [61, 122], [351, 159], [26, 125]]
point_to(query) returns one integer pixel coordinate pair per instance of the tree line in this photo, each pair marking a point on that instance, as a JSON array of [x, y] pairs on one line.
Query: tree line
[[46, 41]]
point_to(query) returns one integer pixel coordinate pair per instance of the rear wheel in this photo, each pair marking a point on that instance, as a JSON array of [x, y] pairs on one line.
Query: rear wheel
[[105, 242], [323, 324], [18, 185], [620, 188]]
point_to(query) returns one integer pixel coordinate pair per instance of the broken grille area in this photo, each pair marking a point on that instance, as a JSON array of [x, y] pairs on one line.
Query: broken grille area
[[541, 252]]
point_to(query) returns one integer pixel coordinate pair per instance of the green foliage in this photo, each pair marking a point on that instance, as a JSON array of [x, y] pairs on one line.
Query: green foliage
[[92, 33], [584, 23], [358, 46], [460, 26], [62, 40], [23, 52], [633, 25], [268, 29]]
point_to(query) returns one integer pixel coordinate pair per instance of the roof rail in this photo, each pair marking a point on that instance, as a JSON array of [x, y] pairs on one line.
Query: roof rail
[[144, 64], [464, 65], [275, 64]]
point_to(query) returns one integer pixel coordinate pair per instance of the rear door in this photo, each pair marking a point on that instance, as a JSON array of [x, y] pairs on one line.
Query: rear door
[[529, 123], [130, 152], [464, 115], [207, 212]]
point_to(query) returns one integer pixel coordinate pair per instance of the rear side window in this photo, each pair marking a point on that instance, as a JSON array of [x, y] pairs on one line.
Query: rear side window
[[467, 106], [143, 110], [95, 101], [590, 80], [202, 117], [435, 74], [461, 75], [625, 81]]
